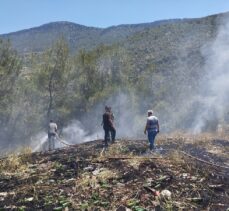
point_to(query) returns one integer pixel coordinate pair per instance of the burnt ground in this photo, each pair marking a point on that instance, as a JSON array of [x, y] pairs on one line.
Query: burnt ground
[[126, 176]]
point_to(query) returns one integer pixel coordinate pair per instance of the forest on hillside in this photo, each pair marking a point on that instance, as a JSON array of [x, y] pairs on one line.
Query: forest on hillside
[[168, 68]]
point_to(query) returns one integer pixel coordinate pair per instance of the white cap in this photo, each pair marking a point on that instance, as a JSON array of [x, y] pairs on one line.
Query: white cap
[[150, 111]]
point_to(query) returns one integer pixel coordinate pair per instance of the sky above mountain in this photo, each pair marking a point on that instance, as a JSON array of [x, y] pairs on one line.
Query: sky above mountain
[[23, 14]]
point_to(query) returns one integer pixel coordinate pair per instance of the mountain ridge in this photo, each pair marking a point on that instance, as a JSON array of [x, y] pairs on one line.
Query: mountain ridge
[[38, 39], [85, 26]]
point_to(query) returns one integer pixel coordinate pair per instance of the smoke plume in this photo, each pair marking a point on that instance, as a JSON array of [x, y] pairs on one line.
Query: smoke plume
[[215, 96]]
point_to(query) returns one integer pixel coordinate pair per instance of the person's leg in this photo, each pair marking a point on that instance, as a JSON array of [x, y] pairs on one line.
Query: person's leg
[[113, 134], [53, 142], [109, 135], [49, 141], [106, 137], [151, 138]]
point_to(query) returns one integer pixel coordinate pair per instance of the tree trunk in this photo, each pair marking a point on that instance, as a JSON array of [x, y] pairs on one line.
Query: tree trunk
[[50, 107]]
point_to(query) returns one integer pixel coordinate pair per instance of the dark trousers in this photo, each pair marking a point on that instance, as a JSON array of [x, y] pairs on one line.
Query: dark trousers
[[113, 134], [109, 134]]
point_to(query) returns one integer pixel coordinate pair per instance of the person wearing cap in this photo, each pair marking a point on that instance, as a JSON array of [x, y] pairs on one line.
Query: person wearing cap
[[152, 128]]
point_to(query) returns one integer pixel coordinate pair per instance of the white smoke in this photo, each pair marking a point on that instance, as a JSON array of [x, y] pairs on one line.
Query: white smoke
[[216, 85], [76, 133], [129, 120], [39, 142]]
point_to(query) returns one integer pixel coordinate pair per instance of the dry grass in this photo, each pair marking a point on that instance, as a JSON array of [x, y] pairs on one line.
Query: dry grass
[[16, 162], [106, 174], [135, 163], [11, 164], [85, 181], [119, 177], [101, 176], [176, 157], [118, 149]]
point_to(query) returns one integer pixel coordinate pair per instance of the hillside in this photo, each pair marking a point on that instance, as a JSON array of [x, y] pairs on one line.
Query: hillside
[[188, 173], [38, 39], [176, 67]]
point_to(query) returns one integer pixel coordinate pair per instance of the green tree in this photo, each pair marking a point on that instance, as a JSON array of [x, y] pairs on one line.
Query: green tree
[[52, 76], [10, 66]]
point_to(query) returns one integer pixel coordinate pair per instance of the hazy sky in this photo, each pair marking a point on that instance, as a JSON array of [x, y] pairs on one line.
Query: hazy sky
[[22, 14]]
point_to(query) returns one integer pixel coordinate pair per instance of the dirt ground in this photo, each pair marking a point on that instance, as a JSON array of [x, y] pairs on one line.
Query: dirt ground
[[185, 173]]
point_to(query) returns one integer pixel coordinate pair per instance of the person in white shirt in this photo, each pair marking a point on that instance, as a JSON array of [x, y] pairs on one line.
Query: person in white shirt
[[52, 132], [152, 128]]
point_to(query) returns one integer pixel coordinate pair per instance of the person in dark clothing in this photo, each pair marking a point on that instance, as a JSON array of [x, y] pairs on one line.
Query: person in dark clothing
[[112, 129], [108, 126]]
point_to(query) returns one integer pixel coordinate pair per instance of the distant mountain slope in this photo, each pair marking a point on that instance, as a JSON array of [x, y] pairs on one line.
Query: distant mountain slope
[[40, 38], [165, 44]]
